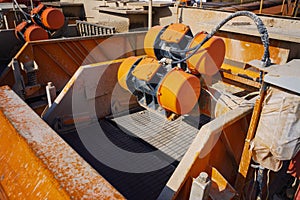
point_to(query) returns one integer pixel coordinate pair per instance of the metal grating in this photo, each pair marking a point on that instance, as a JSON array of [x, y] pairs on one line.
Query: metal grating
[[89, 29], [134, 186], [171, 137], [140, 132]]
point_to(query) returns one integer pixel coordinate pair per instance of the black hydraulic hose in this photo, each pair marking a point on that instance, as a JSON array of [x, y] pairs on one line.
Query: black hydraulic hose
[[260, 27]]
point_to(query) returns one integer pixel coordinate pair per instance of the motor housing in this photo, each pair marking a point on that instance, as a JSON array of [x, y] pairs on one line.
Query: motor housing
[[42, 25], [49, 18], [158, 85], [209, 58], [168, 78], [159, 40], [27, 31]]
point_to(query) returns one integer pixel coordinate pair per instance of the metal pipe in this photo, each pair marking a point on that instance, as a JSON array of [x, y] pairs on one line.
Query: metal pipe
[[261, 6], [150, 15], [51, 93]]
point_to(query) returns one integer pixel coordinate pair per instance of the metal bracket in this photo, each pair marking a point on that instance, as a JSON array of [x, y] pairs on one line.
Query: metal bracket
[[200, 187], [19, 86], [258, 64]]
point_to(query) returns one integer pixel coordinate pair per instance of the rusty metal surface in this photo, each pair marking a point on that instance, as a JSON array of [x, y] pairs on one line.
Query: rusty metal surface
[[275, 10], [244, 48], [283, 29], [245, 81], [3, 195], [37, 163]]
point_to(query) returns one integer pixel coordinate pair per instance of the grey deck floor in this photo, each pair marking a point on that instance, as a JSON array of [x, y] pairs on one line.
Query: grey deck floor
[[137, 133], [171, 137]]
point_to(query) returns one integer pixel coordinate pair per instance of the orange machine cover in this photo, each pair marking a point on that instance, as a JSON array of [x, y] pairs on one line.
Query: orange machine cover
[[209, 57], [179, 91], [52, 18], [35, 32], [174, 33], [150, 39], [124, 69], [146, 69]]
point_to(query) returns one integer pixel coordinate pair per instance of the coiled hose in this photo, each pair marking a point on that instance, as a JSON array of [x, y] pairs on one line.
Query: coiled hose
[[260, 27]]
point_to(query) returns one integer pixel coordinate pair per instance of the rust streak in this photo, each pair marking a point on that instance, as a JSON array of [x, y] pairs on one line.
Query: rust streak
[[55, 61], [56, 164]]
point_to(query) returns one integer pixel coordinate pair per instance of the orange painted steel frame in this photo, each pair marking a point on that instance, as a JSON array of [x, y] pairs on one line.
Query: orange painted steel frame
[[37, 163], [231, 126], [247, 152], [110, 97], [217, 142], [58, 60], [66, 55]]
